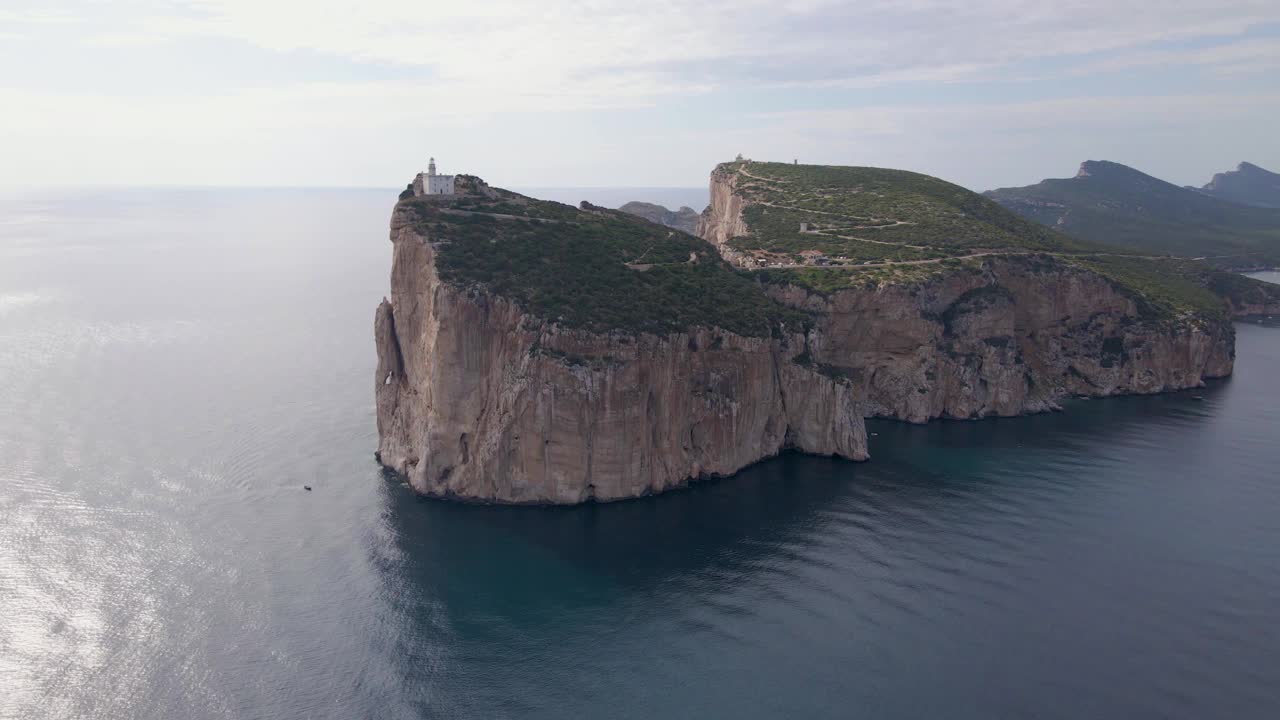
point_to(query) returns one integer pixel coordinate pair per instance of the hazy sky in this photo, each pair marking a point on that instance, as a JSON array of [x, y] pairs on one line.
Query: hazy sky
[[558, 93]]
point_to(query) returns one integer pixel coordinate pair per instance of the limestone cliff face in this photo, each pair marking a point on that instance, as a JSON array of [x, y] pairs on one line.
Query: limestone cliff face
[[722, 220], [479, 400], [1014, 337], [1006, 340]]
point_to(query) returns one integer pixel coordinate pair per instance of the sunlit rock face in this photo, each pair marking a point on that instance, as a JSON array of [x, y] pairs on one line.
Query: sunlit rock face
[[479, 400]]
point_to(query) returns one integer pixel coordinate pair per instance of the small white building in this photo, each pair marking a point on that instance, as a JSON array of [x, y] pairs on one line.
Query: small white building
[[430, 183]]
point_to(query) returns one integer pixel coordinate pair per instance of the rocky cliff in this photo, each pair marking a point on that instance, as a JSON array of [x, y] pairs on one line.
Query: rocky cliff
[[481, 398], [722, 220], [985, 333], [532, 352], [685, 219], [1004, 337]]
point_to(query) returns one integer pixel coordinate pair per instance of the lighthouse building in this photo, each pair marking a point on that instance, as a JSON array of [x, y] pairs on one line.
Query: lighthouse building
[[429, 183]]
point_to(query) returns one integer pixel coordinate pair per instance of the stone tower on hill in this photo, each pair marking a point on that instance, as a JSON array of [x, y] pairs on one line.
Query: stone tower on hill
[[429, 183]]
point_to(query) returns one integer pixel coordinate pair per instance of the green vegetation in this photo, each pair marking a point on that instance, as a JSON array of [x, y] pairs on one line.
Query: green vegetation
[[885, 227], [827, 280], [1164, 290], [1121, 207], [777, 230], [606, 270], [869, 214], [1234, 288], [593, 268]]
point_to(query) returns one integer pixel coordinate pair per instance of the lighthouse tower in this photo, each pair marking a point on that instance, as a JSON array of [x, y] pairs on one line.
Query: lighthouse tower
[[431, 183]]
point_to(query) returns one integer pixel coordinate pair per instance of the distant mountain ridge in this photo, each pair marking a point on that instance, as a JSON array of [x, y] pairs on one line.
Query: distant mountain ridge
[[1114, 204], [1248, 184]]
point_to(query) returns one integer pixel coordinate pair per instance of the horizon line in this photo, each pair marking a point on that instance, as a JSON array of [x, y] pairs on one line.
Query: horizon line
[[14, 189]]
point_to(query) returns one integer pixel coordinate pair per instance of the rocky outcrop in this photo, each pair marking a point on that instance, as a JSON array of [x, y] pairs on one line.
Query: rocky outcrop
[[1247, 184], [479, 400], [1014, 337], [722, 220], [685, 219]]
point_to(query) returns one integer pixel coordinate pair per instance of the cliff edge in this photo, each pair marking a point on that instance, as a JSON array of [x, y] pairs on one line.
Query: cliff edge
[[531, 352]]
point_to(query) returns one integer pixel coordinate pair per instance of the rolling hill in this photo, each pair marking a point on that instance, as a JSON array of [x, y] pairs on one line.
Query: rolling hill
[[866, 215], [1116, 205]]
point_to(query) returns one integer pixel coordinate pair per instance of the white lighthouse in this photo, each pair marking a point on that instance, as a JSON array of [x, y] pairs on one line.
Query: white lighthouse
[[431, 183]]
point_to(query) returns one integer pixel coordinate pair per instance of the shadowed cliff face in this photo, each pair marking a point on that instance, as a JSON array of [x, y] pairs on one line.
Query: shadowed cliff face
[[1005, 341], [479, 400]]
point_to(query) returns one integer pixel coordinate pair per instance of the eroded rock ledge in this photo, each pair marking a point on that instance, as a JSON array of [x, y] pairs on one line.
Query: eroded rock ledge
[[1009, 338]]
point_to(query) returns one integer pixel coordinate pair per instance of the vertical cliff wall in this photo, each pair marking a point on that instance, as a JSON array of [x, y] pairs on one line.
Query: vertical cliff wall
[[477, 399], [722, 220], [1003, 340]]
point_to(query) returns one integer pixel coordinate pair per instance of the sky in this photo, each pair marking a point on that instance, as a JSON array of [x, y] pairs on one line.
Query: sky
[[604, 93]]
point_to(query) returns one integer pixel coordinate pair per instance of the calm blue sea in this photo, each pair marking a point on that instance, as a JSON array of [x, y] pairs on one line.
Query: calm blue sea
[[176, 364]]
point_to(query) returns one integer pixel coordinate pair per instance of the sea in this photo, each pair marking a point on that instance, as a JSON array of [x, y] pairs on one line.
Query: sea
[[177, 364]]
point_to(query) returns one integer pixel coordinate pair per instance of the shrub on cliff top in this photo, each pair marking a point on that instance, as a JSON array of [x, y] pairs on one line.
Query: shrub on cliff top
[[868, 213], [598, 269]]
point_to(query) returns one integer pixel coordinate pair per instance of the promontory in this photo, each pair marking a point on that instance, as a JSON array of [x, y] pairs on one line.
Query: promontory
[[534, 352]]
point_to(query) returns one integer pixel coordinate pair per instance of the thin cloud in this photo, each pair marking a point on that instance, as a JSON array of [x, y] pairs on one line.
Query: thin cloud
[[586, 88], [553, 46]]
